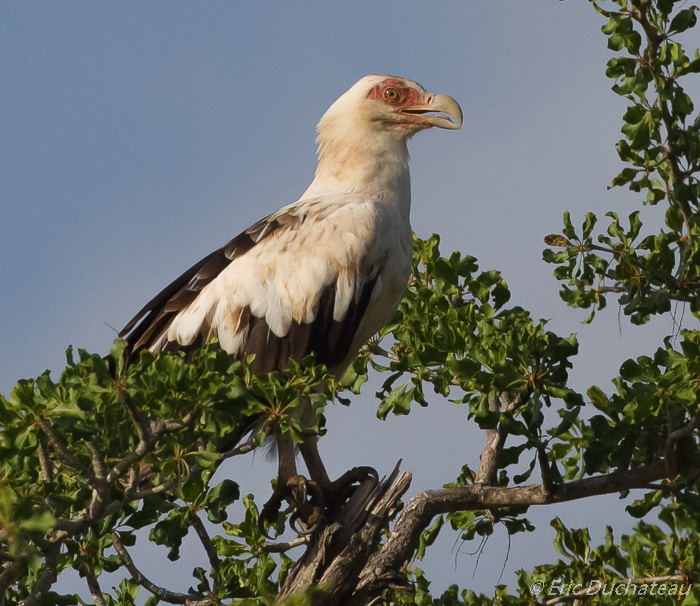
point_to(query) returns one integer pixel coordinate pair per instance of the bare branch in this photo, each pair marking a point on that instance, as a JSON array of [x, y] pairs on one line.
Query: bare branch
[[139, 495], [424, 506], [338, 554], [100, 493], [161, 593]]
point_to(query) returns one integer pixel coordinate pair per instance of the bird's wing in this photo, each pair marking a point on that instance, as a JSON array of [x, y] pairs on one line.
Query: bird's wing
[[298, 281]]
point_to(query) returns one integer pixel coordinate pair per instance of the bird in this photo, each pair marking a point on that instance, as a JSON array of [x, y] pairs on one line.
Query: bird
[[321, 275]]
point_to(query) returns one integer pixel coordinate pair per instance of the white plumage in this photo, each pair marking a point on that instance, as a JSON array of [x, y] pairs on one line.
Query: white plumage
[[322, 274]]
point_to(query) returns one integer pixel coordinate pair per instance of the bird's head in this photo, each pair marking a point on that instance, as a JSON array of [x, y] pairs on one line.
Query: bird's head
[[362, 137], [391, 105]]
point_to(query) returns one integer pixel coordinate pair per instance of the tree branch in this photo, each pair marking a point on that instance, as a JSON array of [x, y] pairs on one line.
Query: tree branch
[[284, 547], [205, 539], [44, 463], [423, 507], [93, 585], [161, 593]]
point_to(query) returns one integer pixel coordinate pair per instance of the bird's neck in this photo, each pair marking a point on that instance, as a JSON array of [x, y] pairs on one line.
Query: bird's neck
[[371, 163]]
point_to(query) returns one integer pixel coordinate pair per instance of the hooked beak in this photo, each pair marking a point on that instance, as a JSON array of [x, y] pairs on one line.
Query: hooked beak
[[436, 111]]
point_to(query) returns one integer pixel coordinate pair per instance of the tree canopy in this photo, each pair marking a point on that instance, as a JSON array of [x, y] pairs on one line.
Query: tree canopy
[[105, 451]]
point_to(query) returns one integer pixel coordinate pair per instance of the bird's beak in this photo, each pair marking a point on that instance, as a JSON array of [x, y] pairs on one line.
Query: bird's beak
[[436, 111]]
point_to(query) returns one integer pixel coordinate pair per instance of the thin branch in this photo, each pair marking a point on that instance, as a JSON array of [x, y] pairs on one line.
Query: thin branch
[[284, 547], [247, 446], [44, 463], [100, 493], [139, 495], [97, 460], [163, 427], [93, 585], [130, 459], [161, 593], [206, 541]]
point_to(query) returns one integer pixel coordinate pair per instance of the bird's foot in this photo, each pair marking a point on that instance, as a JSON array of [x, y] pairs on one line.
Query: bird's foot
[[311, 503], [305, 504]]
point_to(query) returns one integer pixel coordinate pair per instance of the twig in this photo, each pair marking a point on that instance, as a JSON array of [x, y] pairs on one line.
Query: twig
[[139, 495], [247, 446], [284, 547], [130, 459]]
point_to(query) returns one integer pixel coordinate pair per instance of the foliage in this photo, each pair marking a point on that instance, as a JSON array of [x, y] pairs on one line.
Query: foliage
[[104, 452]]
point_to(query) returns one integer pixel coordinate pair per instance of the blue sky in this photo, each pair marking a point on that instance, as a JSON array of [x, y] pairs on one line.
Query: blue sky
[[138, 137]]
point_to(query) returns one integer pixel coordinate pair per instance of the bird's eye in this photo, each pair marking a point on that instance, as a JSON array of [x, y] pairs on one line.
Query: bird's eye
[[391, 95]]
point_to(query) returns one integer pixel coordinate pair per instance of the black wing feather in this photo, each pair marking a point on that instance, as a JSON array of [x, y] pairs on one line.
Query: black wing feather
[[160, 311], [331, 340]]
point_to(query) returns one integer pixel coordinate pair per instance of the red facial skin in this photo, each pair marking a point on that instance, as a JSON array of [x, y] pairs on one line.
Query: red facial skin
[[407, 97]]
